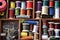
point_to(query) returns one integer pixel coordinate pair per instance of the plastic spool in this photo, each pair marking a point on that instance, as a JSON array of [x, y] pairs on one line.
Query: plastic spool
[[35, 28], [56, 4], [51, 4], [57, 33], [18, 4], [38, 7], [2, 5], [29, 4], [22, 12], [17, 11], [45, 3], [25, 27], [56, 25], [57, 14], [23, 5], [12, 4], [51, 25], [44, 10], [11, 13], [51, 11]]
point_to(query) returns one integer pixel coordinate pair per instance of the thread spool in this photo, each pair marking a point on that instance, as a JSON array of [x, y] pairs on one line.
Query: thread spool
[[11, 13], [56, 25], [45, 3], [56, 13], [29, 4], [24, 34], [2, 13], [37, 15], [26, 26], [51, 11], [23, 5], [56, 33], [51, 3], [56, 4], [44, 10], [12, 4], [44, 0], [22, 12], [38, 7], [18, 4], [44, 37], [51, 25], [29, 12], [35, 28], [17, 11]]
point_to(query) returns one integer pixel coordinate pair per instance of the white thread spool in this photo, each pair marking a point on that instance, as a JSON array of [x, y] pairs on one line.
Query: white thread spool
[[35, 28], [44, 37], [56, 33], [56, 13], [45, 10]]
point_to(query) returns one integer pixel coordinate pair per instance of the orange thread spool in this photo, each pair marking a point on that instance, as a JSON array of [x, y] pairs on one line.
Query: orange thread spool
[[11, 13], [22, 12], [29, 12], [29, 4]]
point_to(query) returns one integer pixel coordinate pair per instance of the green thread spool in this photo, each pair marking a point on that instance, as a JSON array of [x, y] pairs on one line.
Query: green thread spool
[[45, 0], [45, 3], [17, 11], [56, 4]]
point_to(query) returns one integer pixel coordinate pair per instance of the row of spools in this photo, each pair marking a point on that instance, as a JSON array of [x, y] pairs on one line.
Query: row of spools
[[48, 7], [20, 8], [51, 31]]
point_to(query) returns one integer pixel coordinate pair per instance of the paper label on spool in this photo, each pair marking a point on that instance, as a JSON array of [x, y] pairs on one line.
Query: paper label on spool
[[44, 36]]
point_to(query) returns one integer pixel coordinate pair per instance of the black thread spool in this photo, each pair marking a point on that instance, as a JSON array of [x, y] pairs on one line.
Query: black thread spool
[[25, 27]]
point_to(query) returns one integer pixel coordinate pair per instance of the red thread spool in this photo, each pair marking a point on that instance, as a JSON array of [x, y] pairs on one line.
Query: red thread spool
[[57, 25], [29, 4], [51, 25], [11, 13], [22, 12], [51, 3]]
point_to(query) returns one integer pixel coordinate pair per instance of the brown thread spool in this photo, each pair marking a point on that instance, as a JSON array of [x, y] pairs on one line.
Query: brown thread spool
[[57, 25], [11, 13], [22, 12], [51, 26]]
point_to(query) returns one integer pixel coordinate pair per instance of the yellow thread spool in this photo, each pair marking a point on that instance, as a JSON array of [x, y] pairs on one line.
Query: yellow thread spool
[[12, 4], [44, 10]]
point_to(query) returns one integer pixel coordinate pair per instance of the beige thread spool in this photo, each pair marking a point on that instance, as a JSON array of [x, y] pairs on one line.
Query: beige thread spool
[[44, 10], [37, 15], [12, 4]]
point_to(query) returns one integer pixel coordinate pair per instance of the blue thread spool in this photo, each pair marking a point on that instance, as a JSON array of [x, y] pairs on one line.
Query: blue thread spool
[[23, 5], [45, 3], [18, 4], [51, 11], [56, 4]]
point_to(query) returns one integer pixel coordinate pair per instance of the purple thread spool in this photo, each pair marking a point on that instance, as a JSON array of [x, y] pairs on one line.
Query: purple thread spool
[[18, 4], [38, 6]]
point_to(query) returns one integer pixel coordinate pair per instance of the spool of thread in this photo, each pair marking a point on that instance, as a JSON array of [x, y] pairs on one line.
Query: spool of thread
[[56, 4], [45, 3], [51, 4], [2, 5], [22, 12], [38, 7], [44, 0], [56, 25], [45, 10], [51, 33], [23, 5], [51, 25], [17, 11], [18, 4], [29, 12], [57, 33], [35, 28], [57, 13], [2, 13], [44, 37], [24, 34], [26, 26], [12, 4], [37, 15], [51, 11], [29, 4], [11, 13]]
